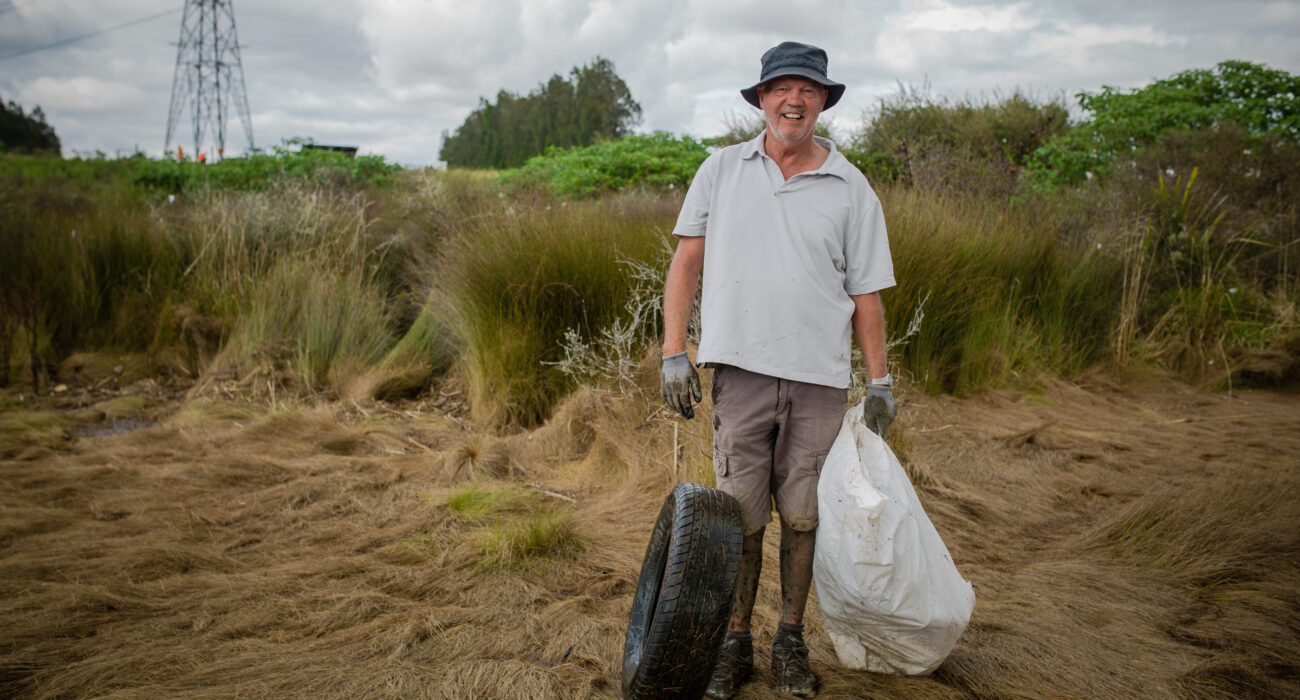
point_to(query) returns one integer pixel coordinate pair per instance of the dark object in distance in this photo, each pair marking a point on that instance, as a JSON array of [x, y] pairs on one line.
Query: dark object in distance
[[351, 151], [684, 595]]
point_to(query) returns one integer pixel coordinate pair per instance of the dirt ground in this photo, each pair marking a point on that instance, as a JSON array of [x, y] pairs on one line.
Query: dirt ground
[[1127, 538]]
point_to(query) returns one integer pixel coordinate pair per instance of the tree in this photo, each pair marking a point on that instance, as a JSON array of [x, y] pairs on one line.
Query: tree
[[1258, 99], [24, 132], [592, 105]]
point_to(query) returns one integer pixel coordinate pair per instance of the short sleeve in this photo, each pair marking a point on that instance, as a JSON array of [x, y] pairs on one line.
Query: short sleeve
[[868, 265], [694, 216]]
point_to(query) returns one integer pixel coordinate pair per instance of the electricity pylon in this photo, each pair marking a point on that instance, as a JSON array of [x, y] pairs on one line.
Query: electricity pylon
[[209, 77]]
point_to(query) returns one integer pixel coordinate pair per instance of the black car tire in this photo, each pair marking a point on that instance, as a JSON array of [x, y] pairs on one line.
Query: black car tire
[[684, 595]]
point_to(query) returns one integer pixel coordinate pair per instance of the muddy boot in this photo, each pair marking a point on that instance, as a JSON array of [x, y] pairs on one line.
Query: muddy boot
[[790, 662], [735, 664]]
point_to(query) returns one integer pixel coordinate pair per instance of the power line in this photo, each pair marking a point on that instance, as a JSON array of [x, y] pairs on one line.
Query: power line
[[106, 30], [209, 77]]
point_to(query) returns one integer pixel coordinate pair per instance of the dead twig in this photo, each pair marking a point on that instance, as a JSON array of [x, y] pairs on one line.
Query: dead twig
[[552, 494]]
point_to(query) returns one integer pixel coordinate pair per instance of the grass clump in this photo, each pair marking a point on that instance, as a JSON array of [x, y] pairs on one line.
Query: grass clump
[[1002, 295], [319, 326], [20, 429], [514, 284], [477, 502], [516, 529], [517, 543]]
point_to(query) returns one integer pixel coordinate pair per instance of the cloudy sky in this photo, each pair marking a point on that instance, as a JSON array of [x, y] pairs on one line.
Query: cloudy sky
[[390, 75]]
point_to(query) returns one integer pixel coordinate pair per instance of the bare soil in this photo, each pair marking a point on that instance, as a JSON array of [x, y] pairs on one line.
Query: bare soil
[[1134, 539]]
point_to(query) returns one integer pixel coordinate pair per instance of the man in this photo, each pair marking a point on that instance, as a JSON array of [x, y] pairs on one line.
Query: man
[[795, 258]]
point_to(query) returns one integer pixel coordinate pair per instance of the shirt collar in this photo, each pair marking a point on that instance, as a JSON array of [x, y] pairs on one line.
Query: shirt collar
[[834, 165]]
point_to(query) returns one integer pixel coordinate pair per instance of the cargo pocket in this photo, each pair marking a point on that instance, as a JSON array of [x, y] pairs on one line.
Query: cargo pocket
[[721, 464], [819, 459], [807, 519]]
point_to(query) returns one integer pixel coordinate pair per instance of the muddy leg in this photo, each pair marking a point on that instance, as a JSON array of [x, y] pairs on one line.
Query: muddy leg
[[751, 565], [796, 571]]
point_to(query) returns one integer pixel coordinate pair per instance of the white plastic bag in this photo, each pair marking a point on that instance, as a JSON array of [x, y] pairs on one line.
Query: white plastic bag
[[891, 597]]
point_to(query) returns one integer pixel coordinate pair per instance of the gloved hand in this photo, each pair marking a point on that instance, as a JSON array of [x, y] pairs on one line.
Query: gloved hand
[[878, 411], [680, 383]]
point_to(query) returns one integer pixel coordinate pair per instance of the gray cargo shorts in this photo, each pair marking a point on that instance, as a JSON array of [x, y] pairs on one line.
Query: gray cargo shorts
[[770, 438]]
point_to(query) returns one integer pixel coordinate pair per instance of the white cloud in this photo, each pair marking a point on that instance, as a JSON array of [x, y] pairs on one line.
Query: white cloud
[[944, 17], [81, 92]]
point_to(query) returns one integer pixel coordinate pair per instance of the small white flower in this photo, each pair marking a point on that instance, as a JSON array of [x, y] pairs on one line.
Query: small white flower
[[1098, 246], [74, 233], [171, 198], [1232, 290], [1169, 172], [1088, 174]]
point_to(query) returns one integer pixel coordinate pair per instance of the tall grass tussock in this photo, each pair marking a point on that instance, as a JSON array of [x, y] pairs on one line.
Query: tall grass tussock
[[314, 275]]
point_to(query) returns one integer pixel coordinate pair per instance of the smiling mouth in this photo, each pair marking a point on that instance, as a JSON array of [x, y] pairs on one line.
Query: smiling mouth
[[792, 115]]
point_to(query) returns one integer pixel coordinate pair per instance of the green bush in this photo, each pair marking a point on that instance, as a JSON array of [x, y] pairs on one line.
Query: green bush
[[310, 167], [659, 161], [954, 145], [1121, 123]]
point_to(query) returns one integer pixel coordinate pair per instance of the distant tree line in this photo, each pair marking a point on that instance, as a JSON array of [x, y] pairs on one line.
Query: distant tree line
[[24, 132], [593, 104]]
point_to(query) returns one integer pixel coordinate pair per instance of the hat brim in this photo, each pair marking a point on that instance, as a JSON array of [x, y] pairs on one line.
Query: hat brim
[[834, 90]]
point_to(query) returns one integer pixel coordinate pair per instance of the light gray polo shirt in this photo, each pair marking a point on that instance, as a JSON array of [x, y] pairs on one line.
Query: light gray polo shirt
[[781, 259]]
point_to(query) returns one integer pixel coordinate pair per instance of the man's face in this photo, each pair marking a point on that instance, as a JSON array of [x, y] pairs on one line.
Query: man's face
[[791, 105]]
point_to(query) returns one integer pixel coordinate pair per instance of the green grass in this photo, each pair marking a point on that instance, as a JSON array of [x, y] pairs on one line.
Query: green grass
[[515, 528], [477, 502], [324, 290], [514, 282], [21, 429], [1004, 297], [517, 543]]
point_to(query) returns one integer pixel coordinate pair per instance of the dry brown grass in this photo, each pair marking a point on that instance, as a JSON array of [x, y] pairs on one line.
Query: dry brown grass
[[1124, 543]]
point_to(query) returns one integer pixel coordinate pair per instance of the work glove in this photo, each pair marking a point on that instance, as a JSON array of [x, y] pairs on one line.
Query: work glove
[[680, 383], [878, 410]]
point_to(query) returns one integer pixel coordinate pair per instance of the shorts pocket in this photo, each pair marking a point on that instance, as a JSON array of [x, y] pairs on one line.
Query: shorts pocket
[[721, 463], [810, 490], [819, 460]]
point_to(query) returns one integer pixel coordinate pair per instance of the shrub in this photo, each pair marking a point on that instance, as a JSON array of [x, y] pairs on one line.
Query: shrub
[[1257, 99], [659, 161], [310, 167], [954, 145]]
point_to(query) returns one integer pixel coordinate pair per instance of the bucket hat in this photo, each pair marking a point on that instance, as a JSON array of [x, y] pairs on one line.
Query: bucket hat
[[793, 58]]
